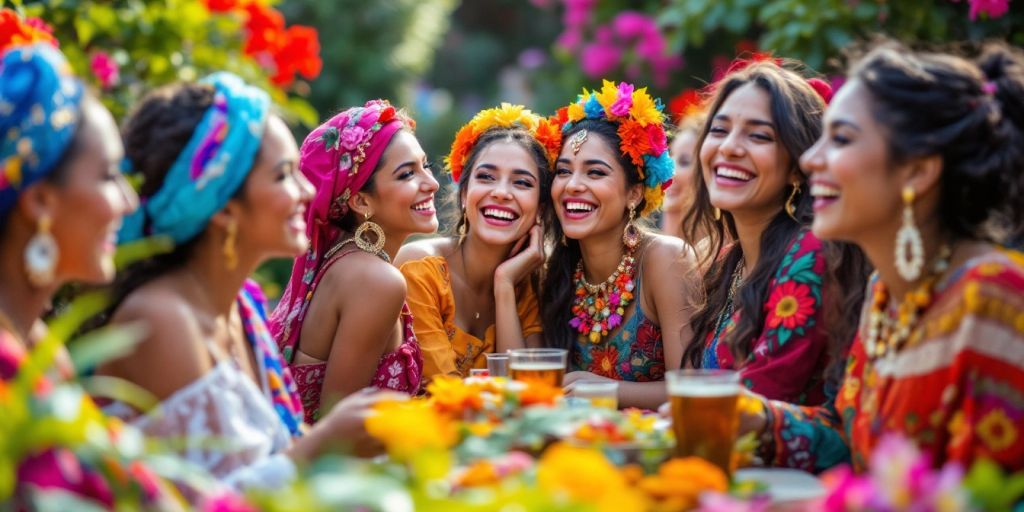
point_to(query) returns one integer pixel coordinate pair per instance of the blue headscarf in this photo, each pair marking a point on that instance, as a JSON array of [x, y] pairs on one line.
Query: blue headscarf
[[39, 112], [210, 170]]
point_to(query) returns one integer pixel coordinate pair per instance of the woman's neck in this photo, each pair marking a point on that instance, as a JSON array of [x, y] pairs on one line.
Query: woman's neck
[[601, 254], [21, 302], [749, 228], [213, 281], [479, 262]]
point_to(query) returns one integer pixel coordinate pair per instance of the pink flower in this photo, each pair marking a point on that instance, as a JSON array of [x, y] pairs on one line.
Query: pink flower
[[598, 59], [578, 13], [625, 100], [632, 24], [847, 491], [991, 8], [570, 39], [352, 137], [105, 69], [656, 134], [227, 502]]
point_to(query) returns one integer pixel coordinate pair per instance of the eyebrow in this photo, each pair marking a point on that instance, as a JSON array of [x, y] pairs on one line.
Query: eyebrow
[[403, 164], [843, 122], [755, 122], [492, 167], [286, 162]]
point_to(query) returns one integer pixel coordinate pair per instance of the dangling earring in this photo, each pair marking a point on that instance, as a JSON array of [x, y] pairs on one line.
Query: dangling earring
[[718, 213], [230, 255], [565, 243], [41, 255], [790, 207], [909, 238], [462, 227], [364, 243], [631, 234]]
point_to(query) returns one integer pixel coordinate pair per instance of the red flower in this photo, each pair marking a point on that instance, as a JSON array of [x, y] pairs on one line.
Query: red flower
[[685, 104], [265, 28], [221, 5], [299, 53], [790, 305], [635, 141], [605, 361], [15, 30]]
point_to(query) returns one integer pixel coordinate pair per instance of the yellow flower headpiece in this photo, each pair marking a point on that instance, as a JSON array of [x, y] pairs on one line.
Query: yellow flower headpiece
[[641, 128], [546, 132]]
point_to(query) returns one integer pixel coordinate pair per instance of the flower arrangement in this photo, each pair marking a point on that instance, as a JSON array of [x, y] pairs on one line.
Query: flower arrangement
[[640, 121], [16, 30], [505, 116]]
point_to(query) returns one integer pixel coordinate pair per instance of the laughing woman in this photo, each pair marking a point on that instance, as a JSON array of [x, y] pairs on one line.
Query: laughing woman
[[778, 300], [343, 323], [631, 325], [474, 293]]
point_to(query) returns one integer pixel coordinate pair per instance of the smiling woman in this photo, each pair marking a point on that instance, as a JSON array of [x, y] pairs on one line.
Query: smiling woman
[[475, 292]]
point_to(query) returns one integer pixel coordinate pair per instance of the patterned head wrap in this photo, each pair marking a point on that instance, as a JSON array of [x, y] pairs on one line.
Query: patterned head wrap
[[338, 158], [213, 166], [39, 113]]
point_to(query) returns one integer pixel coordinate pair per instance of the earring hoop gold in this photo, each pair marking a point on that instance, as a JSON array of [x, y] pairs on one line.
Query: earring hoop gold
[[375, 246], [790, 207], [909, 245]]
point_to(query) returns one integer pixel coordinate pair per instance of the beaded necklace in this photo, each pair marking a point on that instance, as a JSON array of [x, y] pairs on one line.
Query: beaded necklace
[[886, 336], [598, 309]]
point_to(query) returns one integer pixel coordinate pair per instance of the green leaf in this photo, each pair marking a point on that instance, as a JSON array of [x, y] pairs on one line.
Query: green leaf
[[104, 344]]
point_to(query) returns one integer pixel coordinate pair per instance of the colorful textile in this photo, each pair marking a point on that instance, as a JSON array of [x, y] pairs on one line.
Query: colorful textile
[[399, 370], [635, 353], [332, 157], [277, 380], [211, 168], [39, 112], [956, 388], [447, 349], [790, 354]]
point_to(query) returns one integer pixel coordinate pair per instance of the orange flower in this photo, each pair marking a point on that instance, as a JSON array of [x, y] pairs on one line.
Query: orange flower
[[680, 482], [539, 393], [461, 147], [635, 141], [451, 395], [16, 31], [549, 134], [479, 474]]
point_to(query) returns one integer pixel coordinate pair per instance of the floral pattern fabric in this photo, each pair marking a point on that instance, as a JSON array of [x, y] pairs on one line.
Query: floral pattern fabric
[[789, 357], [956, 388], [634, 353]]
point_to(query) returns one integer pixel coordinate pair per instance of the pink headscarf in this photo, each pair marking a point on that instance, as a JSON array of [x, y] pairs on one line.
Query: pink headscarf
[[338, 158]]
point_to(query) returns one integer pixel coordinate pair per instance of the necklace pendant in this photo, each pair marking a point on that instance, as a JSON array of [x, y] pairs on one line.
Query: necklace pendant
[[477, 316]]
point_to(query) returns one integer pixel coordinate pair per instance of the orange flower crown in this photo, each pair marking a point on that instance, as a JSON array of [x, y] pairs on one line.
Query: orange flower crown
[[641, 128], [506, 116]]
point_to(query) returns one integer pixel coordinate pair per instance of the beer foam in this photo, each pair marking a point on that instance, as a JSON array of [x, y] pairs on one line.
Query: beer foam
[[533, 366], [703, 389]]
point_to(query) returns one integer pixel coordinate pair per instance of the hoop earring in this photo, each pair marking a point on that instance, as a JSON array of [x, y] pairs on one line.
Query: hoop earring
[[364, 243], [631, 234], [462, 227], [41, 255], [230, 254], [908, 238], [790, 207]]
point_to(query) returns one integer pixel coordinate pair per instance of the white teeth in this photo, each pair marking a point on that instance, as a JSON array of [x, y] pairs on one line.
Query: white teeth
[[499, 214], [819, 190], [733, 173], [577, 206], [425, 205]]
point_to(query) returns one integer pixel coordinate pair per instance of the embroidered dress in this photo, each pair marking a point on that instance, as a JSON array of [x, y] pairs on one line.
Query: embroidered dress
[[635, 353], [399, 370], [447, 349], [790, 354], [956, 387]]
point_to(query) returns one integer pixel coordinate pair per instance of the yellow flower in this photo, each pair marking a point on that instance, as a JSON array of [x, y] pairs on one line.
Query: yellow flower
[[407, 428], [506, 115], [586, 476], [653, 196], [576, 112], [997, 430], [640, 422], [480, 428], [607, 95], [643, 109]]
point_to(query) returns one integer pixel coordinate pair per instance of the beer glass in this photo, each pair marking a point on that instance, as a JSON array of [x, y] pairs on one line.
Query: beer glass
[[497, 364], [538, 364], [601, 393], [704, 414]]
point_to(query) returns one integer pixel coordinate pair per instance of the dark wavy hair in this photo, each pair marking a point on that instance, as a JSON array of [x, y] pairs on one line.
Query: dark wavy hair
[[971, 114], [557, 286], [797, 111]]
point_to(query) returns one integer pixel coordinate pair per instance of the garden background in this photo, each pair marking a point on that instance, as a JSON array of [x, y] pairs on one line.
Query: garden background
[[445, 59]]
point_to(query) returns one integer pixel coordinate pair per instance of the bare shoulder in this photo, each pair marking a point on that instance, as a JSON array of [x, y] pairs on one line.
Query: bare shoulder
[[436, 246], [663, 252], [360, 275], [159, 307]]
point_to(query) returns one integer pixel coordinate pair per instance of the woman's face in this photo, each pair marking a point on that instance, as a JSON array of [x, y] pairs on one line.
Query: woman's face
[[91, 200], [403, 198], [502, 193], [682, 150], [745, 167], [273, 208], [855, 193], [590, 190]]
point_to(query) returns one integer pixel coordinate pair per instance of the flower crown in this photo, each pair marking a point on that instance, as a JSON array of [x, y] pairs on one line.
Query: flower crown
[[506, 116], [641, 129]]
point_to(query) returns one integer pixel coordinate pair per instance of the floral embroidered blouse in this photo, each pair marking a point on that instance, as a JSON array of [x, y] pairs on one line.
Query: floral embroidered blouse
[[789, 356], [956, 387]]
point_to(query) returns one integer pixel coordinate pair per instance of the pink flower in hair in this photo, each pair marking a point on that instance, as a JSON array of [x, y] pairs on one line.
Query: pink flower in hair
[[625, 100], [352, 137], [105, 69]]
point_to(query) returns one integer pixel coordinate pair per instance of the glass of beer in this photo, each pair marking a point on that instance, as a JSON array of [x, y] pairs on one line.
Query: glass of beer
[[603, 394], [538, 364], [704, 413], [497, 364]]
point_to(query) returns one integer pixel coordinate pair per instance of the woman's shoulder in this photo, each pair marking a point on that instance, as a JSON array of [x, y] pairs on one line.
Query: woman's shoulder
[[158, 301], [426, 248], [996, 274], [662, 249], [361, 271]]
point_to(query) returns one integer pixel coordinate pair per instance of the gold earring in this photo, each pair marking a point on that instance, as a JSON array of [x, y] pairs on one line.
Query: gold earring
[[908, 239], [371, 246], [462, 226], [718, 213], [790, 207], [230, 254], [631, 234], [41, 255]]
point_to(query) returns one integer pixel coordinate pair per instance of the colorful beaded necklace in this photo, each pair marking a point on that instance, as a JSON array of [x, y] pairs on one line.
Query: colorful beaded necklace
[[598, 309]]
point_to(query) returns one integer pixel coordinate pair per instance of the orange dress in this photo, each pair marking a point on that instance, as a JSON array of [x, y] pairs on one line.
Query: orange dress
[[446, 348]]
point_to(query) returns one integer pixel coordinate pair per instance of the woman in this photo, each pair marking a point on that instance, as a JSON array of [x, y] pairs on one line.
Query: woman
[[679, 195], [613, 163], [501, 161], [938, 356], [772, 293], [371, 176], [61, 200], [220, 184]]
